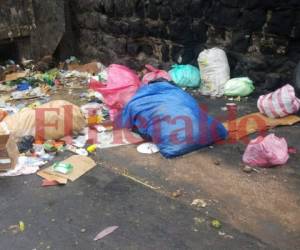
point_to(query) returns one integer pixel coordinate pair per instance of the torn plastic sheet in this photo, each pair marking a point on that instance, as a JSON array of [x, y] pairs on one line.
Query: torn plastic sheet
[[25, 166]]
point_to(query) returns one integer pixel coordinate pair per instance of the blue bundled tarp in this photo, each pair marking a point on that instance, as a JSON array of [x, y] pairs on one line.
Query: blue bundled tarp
[[172, 119]]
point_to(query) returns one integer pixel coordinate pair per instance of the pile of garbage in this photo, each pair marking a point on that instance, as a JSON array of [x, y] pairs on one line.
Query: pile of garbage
[[118, 107]]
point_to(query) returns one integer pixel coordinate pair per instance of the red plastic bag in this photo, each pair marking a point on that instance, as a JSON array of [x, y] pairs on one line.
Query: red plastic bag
[[266, 152], [121, 85], [155, 74]]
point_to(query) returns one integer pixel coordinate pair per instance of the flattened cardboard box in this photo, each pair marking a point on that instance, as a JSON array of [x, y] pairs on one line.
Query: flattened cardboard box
[[9, 152], [81, 164]]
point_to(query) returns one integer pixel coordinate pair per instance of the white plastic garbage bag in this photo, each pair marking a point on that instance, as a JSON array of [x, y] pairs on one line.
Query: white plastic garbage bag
[[215, 71]]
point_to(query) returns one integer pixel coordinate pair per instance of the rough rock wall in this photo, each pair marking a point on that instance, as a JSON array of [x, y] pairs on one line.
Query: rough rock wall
[[262, 38], [31, 28]]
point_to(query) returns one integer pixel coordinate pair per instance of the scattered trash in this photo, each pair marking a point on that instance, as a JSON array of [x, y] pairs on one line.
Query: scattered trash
[[154, 74], [231, 108], [147, 148], [92, 148], [242, 86], [8, 149], [185, 76], [216, 224], [199, 203], [15, 76], [256, 122], [26, 143], [105, 232], [199, 221], [280, 103], [80, 141], [93, 68], [266, 152], [121, 85], [225, 235], [79, 151], [25, 166], [21, 226], [118, 137], [177, 193], [215, 71], [47, 183], [292, 150], [23, 85], [248, 169], [156, 102]]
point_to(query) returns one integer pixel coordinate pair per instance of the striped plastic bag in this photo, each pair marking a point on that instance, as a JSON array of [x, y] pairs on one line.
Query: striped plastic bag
[[281, 103]]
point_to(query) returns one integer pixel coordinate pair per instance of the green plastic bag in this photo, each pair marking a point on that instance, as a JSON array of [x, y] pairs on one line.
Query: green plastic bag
[[185, 76], [242, 86]]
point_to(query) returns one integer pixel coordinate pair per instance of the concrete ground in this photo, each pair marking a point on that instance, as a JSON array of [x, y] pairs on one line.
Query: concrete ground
[[69, 217], [259, 210]]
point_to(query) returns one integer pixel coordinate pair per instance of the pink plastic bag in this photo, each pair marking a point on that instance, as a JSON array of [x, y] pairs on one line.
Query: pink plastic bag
[[266, 152], [121, 85], [155, 74]]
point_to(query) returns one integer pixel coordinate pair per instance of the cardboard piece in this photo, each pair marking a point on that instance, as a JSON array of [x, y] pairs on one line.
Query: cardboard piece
[[256, 122], [15, 76], [92, 68], [9, 152], [81, 164]]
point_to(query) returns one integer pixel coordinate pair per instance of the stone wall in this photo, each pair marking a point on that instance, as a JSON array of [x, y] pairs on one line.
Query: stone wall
[[30, 28], [261, 37]]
